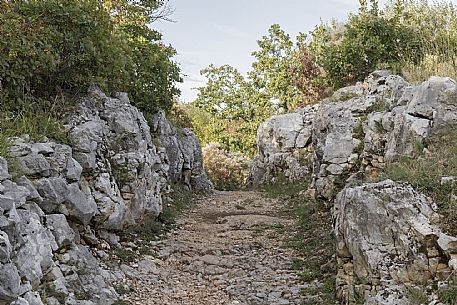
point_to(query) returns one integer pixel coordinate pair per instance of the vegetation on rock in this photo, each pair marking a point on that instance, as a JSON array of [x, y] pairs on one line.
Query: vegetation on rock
[[49, 49], [410, 37]]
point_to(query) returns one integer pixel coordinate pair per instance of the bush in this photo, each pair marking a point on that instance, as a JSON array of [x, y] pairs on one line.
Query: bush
[[227, 171], [60, 47], [369, 40], [179, 117], [55, 45], [233, 135], [409, 36]]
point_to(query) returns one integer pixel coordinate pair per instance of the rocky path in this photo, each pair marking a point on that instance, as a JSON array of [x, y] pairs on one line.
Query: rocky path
[[227, 250]]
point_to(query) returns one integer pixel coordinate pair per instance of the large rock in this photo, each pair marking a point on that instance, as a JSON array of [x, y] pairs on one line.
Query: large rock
[[430, 111], [58, 225], [113, 145], [352, 134], [184, 154], [3, 169], [33, 245], [10, 283], [65, 198], [87, 277], [387, 243], [285, 150]]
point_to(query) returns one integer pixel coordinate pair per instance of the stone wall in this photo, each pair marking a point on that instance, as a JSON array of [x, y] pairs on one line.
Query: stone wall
[[62, 205], [386, 234]]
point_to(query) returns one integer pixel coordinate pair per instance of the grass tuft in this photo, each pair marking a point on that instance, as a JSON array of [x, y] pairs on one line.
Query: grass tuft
[[424, 172]]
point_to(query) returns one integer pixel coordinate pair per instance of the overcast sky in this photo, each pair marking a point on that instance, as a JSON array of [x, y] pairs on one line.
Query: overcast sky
[[226, 32]]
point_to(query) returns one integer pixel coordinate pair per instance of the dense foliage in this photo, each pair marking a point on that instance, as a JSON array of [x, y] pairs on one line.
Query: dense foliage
[[227, 171], [49, 48], [230, 107], [411, 37], [370, 39]]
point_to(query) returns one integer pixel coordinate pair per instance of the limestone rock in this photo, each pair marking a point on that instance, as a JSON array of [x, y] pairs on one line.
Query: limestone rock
[[183, 154], [33, 246], [10, 283], [5, 248], [3, 169], [385, 236], [65, 199], [79, 205], [58, 225], [53, 190], [284, 143]]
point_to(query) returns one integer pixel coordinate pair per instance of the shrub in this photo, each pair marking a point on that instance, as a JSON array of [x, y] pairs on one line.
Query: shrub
[[306, 77], [49, 46], [227, 171], [370, 39], [234, 135], [59, 47], [408, 36], [179, 116]]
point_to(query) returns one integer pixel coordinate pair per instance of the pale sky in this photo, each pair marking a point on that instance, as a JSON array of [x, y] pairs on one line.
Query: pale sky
[[226, 32]]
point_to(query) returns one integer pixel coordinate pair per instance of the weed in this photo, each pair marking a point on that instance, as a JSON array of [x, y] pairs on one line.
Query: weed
[[283, 187], [424, 173], [449, 295], [310, 239], [121, 174], [39, 119], [358, 132], [83, 295], [418, 295], [125, 255], [419, 147], [378, 127], [50, 290], [378, 106], [120, 289]]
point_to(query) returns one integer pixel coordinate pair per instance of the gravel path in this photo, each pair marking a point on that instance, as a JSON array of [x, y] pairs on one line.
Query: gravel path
[[227, 250]]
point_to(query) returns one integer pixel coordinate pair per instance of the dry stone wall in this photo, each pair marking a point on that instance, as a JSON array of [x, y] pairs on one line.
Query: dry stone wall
[[61, 205], [386, 233]]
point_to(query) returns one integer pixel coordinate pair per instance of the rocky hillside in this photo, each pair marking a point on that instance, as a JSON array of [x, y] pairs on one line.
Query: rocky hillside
[[61, 206], [389, 237]]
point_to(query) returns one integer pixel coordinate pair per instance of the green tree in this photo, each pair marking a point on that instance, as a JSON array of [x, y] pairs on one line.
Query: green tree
[[62, 46], [230, 110], [271, 72], [238, 105], [369, 40]]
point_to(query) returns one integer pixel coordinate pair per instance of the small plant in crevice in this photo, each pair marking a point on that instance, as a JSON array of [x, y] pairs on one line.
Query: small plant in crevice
[[448, 295], [120, 289], [120, 173], [378, 127], [357, 130], [418, 295], [378, 106]]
